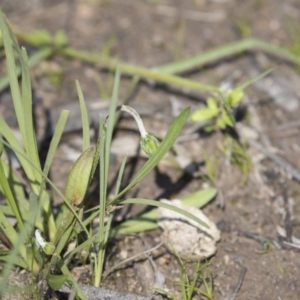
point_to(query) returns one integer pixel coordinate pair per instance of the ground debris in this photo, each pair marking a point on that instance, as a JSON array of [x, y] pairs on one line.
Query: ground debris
[[188, 239], [94, 293]]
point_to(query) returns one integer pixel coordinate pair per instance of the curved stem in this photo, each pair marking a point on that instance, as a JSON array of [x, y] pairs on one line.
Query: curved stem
[[137, 118]]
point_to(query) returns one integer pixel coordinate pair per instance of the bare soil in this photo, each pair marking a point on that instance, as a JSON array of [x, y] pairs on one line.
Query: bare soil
[[152, 33]]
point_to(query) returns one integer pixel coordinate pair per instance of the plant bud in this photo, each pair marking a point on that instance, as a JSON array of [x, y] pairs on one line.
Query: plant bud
[[79, 177], [149, 144]]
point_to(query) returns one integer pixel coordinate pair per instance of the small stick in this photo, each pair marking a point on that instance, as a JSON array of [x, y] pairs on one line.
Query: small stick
[[261, 239], [289, 125], [130, 259], [238, 286], [291, 245], [94, 293], [277, 159], [287, 218]]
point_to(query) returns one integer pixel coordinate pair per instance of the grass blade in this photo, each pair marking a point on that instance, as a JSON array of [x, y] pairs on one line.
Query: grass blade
[[12, 75], [30, 139], [9, 196], [19, 242], [15, 145], [120, 175], [153, 74], [148, 220], [252, 80], [84, 117], [105, 144], [59, 129], [111, 121], [224, 51], [164, 205], [33, 61]]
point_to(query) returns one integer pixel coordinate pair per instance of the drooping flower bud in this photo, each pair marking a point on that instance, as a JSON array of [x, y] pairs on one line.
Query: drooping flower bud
[[149, 143], [47, 247]]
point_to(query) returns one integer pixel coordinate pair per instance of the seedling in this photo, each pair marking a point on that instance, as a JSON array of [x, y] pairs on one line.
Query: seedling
[[191, 286], [236, 153], [267, 246], [47, 247], [34, 212], [219, 110], [217, 115], [38, 241]]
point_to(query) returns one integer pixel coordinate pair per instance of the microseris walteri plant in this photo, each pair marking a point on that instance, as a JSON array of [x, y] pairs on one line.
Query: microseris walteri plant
[[47, 247], [149, 143]]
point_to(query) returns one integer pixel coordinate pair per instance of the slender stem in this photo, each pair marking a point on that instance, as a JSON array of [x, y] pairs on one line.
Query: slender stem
[[153, 74], [137, 118], [226, 50]]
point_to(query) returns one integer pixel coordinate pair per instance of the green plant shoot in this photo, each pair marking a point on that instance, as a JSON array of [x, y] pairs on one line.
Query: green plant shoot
[[149, 143]]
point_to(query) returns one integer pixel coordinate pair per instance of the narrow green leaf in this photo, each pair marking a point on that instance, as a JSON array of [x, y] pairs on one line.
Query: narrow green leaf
[[252, 80], [111, 121], [78, 291], [165, 146], [23, 113], [87, 243], [145, 222], [56, 281], [224, 51], [12, 75], [59, 129], [167, 206], [105, 144], [1, 149], [34, 59], [44, 200], [18, 241], [37, 38], [120, 175], [153, 74], [148, 220], [29, 167], [17, 262], [30, 138], [9, 230], [102, 181], [9, 196], [96, 159], [63, 239], [84, 118], [203, 114], [17, 189], [16, 147], [200, 198], [6, 210]]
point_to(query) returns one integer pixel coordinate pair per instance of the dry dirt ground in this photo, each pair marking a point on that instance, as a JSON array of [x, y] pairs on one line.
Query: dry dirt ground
[[152, 33]]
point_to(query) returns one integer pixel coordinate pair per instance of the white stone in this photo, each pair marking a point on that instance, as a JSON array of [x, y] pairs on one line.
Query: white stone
[[187, 238]]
